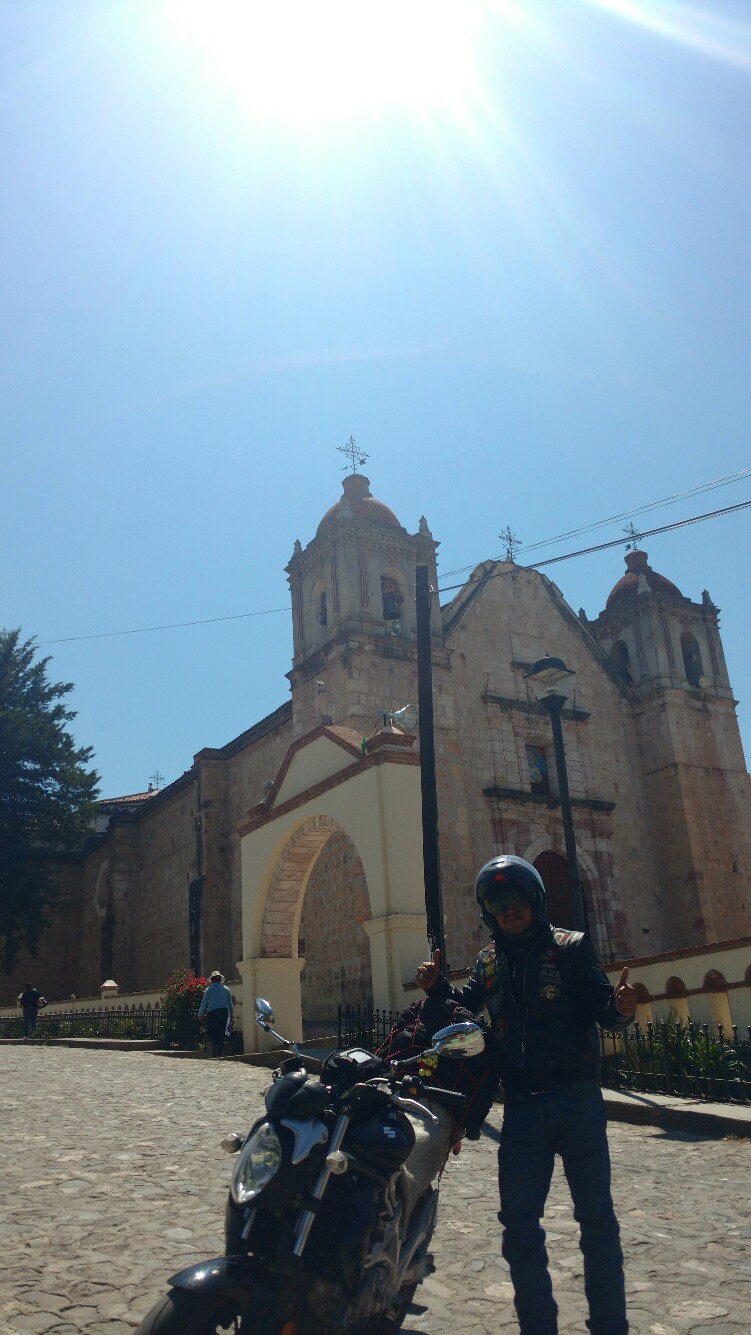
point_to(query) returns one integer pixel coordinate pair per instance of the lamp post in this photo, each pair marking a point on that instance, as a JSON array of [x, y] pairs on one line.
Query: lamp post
[[430, 849], [550, 680]]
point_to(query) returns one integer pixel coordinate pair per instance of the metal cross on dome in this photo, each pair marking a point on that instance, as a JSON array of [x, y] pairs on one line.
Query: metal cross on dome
[[633, 535], [354, 454], [512, 543]]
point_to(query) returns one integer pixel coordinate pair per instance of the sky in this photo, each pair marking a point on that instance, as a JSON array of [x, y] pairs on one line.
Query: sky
[[505, 246]]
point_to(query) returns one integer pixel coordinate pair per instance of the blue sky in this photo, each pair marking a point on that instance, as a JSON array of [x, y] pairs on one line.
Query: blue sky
[[506, 246]]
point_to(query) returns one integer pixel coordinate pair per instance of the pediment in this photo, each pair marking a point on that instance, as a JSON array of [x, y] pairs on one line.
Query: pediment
[[313, 759]]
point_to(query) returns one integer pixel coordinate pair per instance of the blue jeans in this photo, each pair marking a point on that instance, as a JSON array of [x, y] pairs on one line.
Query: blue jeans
[[569, 1121]]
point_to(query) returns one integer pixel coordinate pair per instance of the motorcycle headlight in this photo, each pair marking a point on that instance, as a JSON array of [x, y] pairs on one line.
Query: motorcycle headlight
[[260, 1158]]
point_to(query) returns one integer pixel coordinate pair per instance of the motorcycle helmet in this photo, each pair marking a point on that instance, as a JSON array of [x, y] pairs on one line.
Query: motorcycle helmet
[[503, 878]]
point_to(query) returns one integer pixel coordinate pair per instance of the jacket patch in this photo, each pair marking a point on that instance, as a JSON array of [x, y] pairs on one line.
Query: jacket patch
[[549, 992]]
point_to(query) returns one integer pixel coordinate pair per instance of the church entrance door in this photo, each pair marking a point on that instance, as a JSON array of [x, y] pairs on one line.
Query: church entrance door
[[553, 868]]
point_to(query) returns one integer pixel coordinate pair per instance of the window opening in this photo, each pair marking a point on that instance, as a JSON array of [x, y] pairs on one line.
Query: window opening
[[392, 598], [622, 661], [692, 659]]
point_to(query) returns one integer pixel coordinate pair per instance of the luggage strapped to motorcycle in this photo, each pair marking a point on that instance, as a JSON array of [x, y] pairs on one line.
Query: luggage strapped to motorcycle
[[412, 1033]]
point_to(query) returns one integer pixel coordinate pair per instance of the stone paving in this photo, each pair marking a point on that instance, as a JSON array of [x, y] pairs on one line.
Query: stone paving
[[113, 1179]]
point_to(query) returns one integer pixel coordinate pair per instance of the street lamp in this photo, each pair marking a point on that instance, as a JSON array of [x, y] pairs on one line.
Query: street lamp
[[550, 680]]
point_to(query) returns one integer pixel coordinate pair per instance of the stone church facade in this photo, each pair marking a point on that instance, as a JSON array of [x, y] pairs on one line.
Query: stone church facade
[[659, 787]]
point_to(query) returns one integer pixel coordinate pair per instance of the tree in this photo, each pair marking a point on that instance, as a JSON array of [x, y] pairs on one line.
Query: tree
[[46, 793]]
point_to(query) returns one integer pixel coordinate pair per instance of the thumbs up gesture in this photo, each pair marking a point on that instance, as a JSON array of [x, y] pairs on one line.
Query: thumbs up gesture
[[429, 972], [626, 996]]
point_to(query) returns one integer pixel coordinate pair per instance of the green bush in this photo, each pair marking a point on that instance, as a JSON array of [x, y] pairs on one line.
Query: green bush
[[182, 997], [684, 1058]]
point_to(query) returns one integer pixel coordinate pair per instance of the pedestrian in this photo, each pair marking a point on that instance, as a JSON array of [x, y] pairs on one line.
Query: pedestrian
[[29, 1002], [545, 992], [216, 1005]]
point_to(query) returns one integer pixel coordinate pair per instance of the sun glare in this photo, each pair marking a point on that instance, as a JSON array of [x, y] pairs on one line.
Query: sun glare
[[308, 61]]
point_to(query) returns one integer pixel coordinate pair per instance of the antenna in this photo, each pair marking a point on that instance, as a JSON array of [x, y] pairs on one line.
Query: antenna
[[353, 452], [157, 779]]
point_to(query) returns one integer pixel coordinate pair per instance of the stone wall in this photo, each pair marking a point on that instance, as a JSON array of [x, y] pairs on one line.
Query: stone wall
[[331, 936], [519, 617]]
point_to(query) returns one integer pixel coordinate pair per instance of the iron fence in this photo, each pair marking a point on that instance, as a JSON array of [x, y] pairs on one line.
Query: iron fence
[[698, 1061], [361, 1026], [110, 1022]]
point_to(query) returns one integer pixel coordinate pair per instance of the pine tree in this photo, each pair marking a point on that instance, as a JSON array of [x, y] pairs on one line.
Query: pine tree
[[46, 793]]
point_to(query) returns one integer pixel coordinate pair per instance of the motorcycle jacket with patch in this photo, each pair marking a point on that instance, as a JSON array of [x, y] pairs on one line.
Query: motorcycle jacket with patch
[[545, 997]]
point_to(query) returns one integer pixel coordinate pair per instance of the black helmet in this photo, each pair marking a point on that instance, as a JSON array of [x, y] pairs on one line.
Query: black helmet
[[504, 876]]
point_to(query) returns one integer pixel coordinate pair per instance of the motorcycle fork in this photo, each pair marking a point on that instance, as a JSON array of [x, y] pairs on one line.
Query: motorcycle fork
[[305, 1222]]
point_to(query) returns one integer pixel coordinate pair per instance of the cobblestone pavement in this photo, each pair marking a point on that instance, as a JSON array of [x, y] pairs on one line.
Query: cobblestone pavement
[[113, 1179]]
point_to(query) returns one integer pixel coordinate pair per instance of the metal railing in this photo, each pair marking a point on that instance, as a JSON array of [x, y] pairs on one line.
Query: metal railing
[[107, 1022], [699, 1061], [361, 1026]]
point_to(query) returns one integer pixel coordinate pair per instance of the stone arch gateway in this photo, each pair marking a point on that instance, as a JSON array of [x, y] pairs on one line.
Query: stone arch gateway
[[329, 782]]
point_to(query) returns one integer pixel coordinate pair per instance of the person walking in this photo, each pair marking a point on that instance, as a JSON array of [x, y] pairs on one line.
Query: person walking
[[216, 1006], [29, 1002], [546, 992]]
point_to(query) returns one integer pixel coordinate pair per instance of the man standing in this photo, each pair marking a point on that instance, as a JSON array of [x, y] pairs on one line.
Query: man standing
[[546, 992], [29, 1003]]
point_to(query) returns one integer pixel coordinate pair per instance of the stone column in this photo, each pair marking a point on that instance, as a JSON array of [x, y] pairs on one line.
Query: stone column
[[398, 943], [278, 981]]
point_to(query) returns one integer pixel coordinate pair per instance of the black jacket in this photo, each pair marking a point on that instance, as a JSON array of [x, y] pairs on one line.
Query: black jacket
[[545, 995]]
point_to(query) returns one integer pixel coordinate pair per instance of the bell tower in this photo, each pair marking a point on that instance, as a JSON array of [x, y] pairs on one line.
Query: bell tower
[[668, 652], [353, 613]]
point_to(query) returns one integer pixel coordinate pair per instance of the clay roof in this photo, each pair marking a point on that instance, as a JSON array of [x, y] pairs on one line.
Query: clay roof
[[363, 506], [628, 586], [130, 800]]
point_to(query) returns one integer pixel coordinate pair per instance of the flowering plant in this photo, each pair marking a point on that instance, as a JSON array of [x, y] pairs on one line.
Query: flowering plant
[[182, 997]]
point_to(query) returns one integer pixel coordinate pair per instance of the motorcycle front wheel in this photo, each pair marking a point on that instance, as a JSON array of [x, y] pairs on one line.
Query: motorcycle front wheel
[[183, 1313]]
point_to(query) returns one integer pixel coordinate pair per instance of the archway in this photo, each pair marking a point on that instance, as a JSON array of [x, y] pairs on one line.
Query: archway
[[553, 868], [332, 938], [367, 803]]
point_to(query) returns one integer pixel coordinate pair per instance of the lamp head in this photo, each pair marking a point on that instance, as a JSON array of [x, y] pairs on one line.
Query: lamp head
[[549, 676]]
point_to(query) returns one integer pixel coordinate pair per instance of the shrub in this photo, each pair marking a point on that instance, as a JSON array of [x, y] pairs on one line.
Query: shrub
[[182, 997]]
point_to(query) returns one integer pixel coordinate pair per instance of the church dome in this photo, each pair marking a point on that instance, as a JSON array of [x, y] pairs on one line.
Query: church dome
[[363, 506], [628, 586]]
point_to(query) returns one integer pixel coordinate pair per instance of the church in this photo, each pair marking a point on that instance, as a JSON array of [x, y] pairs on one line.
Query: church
[[294, 853]]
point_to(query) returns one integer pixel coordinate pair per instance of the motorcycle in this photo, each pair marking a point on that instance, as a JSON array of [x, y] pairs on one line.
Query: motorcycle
[[332, 1206]]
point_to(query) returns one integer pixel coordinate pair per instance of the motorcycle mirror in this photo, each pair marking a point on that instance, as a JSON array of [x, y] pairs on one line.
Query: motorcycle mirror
[[459, 1040], [264, 1010]]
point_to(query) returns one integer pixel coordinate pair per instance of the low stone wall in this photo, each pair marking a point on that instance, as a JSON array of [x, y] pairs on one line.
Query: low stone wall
[[705, 984], [133, 1001]]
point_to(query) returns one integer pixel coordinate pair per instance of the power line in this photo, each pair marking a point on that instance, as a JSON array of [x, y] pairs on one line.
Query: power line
[[725, 481], [601, 546], [171, 625], [533, 565]]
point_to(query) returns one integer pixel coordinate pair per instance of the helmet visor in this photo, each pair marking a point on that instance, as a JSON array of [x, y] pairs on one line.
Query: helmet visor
[[502, 899]]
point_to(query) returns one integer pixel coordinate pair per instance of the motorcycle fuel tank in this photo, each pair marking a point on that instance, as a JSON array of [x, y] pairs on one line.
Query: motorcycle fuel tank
[[384, 1140]]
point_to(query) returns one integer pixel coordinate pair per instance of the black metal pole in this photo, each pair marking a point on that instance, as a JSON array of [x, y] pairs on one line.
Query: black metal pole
[[430, 850], [554, 705]]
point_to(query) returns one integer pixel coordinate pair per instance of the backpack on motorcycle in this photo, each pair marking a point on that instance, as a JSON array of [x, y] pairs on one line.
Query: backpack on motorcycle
[[412, 1033]]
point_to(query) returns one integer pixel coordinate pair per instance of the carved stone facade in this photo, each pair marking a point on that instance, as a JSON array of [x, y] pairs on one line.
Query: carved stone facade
[[661, 796]]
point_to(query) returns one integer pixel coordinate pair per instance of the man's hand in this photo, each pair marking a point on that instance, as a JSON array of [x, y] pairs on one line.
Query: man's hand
[[429, 972], [626, 996]]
